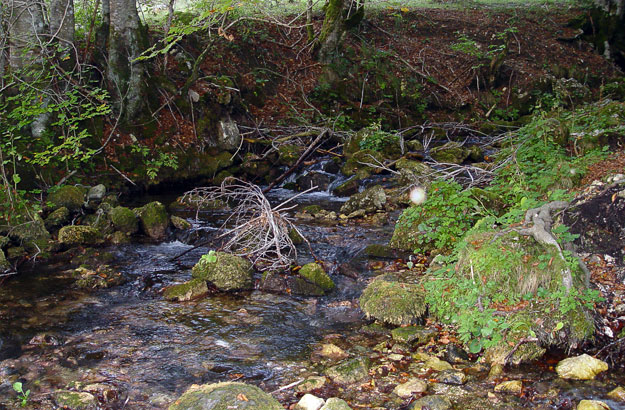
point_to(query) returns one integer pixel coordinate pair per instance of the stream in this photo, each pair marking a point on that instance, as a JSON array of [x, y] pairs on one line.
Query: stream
[[135, 350]]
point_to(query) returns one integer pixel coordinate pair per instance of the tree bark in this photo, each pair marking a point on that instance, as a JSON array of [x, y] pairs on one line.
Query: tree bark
[[126, 42], [26, 25], [62, 20]]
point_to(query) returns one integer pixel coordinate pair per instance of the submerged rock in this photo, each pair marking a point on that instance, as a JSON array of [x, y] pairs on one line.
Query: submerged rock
[[434, 402], [225, 396], [68, 196], [124, 220], [371, 200], [351, 371], [79, 235], [393, 302], [511, 386], [582, 367], [228, 272], [154, 219], [617, 394], [186, 291]]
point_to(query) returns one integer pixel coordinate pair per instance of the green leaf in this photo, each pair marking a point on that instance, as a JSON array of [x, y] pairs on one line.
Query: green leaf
[[475, 346], [16, 178], [559, 326], [17, 386]]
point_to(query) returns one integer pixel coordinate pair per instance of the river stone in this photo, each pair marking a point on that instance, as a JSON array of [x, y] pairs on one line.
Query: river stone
[[27, 229], [124, 220], [582, 367], [57, 218], [154, 219], [96, 193], [434, 402], [75, 400], [362, 163], [451, 153], [314, 274], [332, 352], [393, 302], [371, 200], [592, 405], [437, 364], [228, 272], [79, 235], [314, 178], [288, 154], [454, 354], [455, 377], [617, 394], [309, 402], [351, 371], [180, 223], [413, 334], [311, 383], [411, 387], [334, 403], [225, 396], [511, 386], [68, 196], [347, 188], [186, 291], [228, 135]]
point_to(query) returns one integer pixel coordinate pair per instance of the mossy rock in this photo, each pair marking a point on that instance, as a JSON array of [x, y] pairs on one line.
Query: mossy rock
[[75, 400], [413, 334], [289, 154], [356, 164], [154, 219], [370, 200], [27, 229], [228, 272], [334, 403], [432, 402], [124, 220], [57, 218], [350, 371], [68, 196], [4, 264], [197, 202], [346, 188], [225, 396], [314, 274], [255, 166], [102, 278], [451, 153], [352, 145], [186, 291], [393, 302], [380, 251], [180, 223], [295, 237], [79, 235], [419, 169]]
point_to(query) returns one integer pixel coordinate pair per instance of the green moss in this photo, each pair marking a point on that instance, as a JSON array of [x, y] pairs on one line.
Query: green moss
[[180, 223], [154, 219], [79, 235], [312, 209], [393, 302], [295, 237], [289, 154], [225, 396], [413, 334], [124, 220], [350, 371], [347, 188], [68, 196], [228, 272], [315, 274], [355, 165], [75, 400], [379, 251], [186, 291], [451, 152], [57, 218]]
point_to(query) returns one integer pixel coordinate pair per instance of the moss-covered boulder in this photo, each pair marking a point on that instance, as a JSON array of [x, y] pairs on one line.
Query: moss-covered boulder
[[592, 405], [57, 218], [225, 396], [124, 220], [315, 275], [186, 291], [27, 229], [180, 223], [362, 164], [390, 301], [227, 272], [288, 154], [79, 235], [350, 371], [370, 200], [75, 400], [154, 219], [69, 196], [451, 153]]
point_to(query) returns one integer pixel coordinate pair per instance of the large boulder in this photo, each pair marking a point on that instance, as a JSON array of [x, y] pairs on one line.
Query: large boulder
[[124, 220], [370, 200], [68, 196], [27, 229], [390, 301], [225, 396], [227, 272], [154, 219], [79, 235]]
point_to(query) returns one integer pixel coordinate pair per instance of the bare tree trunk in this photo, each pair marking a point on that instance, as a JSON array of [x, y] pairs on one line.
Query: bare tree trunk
[[309, 25], [126, 42], [62, 20], [25, 28], [3, 45]]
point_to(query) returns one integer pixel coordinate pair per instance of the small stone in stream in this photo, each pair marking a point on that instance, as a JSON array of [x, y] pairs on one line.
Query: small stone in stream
[[455, 354], [617, 394], [75, 400], [309, 402], [374, 329], [411, 387], [311, 383], [582, 367], [437, 364], [434, 402], [495, 371], [511, 386], [334, 403], [592, 405], [412, 334], [395, 357], [351, 371], [180, 223], [455, 377], [332, 352]]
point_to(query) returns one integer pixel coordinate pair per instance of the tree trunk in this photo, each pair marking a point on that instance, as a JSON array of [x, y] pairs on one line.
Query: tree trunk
[[3, 46], [25, 20], [332, 31], [62, 21], [126, 42]]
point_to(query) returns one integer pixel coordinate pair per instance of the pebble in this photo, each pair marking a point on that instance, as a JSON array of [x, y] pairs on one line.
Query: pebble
[[309, 402], [617, 394], [511, 386], [411, 387]]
